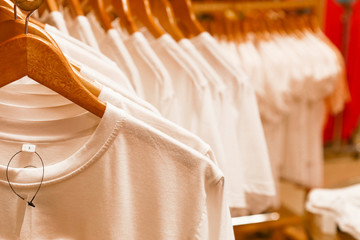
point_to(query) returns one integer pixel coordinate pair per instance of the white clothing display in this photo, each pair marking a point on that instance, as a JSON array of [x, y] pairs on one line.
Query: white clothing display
[[105, 188], [193, 131], [292, 75]]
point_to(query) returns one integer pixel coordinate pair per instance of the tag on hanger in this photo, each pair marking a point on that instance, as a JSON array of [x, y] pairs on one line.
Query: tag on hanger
[[28, 147]]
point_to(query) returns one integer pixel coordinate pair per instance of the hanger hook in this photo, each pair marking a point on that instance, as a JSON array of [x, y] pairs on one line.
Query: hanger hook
[[15, 11], [27, 5], [27, 21]]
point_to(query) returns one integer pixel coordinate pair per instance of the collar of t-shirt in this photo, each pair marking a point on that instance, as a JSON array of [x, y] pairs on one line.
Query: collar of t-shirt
[[53, 131]]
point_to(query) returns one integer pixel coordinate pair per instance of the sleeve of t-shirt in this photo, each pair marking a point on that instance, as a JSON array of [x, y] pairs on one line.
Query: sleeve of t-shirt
[[252, 143], [218, 219]]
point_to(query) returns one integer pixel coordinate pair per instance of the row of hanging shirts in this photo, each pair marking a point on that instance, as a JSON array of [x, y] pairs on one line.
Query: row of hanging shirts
[[299, 78], [180, 118], [192, 84]]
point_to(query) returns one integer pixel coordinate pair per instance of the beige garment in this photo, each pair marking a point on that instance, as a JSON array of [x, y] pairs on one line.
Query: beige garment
[[124, 181]]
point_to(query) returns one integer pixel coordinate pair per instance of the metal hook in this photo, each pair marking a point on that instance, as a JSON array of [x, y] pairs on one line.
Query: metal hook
[[27, 5], [27, 21], [15, 11]]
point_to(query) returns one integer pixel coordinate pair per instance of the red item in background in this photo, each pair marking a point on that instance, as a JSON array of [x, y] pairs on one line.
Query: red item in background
[[333, 29]]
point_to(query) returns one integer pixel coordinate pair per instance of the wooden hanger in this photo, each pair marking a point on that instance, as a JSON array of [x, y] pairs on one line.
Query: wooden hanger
[[101, 14], [12, 28], [163, 11], [5, 14], [185, 16], [75, 7], [122, 9], [52, 5], [6, 3], [141, 9], [29, 55]]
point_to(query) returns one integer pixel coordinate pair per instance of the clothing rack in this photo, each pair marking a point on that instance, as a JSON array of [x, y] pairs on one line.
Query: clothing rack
[[280, 220], [317, 6]]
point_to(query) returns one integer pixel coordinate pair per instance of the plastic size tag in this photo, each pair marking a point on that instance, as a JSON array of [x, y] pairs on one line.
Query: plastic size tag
[[28, 147]]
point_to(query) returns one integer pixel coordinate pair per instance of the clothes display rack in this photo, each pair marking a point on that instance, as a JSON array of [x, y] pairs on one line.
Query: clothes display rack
[[282, 222]]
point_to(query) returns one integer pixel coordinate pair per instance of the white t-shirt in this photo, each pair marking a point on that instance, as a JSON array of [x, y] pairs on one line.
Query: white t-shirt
[[124, 181], [112, 46], [254, 164], [155, 79]]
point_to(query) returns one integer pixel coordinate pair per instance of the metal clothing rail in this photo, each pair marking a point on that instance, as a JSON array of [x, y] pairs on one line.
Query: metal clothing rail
[[240, 6]]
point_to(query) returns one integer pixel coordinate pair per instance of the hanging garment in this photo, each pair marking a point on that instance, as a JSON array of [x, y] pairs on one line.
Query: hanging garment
[[253, 164], [110, 179]]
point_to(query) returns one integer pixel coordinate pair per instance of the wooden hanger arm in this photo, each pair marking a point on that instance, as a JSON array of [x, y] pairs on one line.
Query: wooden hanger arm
[[12, 63], [12, 28], [76, 7], [121, 8], [101, 14], [163, 11], [5, 14], [186, 16], [45, 64], [141, 9], [52, 5]]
